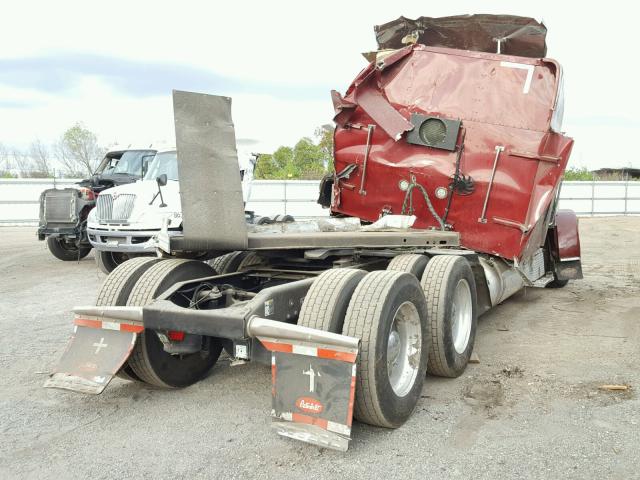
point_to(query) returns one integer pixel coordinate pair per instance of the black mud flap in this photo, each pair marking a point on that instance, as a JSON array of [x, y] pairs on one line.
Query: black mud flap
[[313, 391], [96, 351]]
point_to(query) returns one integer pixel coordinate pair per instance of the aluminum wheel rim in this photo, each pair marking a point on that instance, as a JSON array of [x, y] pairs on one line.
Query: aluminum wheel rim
[[461, 314], [404, 349]]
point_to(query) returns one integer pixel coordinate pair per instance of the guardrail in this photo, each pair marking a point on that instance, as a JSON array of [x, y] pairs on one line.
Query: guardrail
[[19, 198]]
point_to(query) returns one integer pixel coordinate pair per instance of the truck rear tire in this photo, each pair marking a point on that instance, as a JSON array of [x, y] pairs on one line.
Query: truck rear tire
[[450, 289], [234, 262], [555, 283], [410, 263], [149, 361], [388, 312], [66, 251], [108, 261], [115, 291], [326, 302]]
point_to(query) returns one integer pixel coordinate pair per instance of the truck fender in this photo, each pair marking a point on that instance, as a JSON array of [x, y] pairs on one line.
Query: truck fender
[[564, 246]]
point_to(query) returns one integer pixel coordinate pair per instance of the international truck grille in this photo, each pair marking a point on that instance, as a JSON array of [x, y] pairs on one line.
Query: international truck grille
[[115, 208], [59, 207]]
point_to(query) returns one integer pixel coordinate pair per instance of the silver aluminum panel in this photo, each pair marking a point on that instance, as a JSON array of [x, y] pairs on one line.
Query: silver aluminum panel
[[210, 185]]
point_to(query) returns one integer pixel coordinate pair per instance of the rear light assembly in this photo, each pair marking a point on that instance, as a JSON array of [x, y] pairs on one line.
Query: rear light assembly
[[87, 193], [175, 335]]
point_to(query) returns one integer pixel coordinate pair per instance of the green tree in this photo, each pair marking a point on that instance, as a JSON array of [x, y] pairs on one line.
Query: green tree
[[276, 166], [575, 173], [324, 137], [306, 160], [78, 151]]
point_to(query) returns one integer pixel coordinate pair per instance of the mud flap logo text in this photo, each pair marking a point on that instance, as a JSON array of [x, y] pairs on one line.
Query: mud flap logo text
[[309, 405]]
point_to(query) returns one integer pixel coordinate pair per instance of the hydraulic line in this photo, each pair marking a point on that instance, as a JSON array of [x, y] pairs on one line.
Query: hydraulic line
[[409, 198]]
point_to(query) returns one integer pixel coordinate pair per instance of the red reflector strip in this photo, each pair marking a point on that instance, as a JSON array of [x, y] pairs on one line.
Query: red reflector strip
[[123, 327], [336, 355], [127, 327], [300, 418], [310, 351], [85, 322], [278, 347]]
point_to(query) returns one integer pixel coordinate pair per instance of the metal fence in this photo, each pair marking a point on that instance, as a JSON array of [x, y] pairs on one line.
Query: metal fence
[[19, 198], [601, 197]]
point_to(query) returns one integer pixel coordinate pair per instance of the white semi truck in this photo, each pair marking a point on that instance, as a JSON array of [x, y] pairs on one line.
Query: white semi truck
[[127, 219]]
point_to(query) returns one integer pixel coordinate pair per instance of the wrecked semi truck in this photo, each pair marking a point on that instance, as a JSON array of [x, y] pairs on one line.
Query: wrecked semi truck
[[64, 212], [443, 202]]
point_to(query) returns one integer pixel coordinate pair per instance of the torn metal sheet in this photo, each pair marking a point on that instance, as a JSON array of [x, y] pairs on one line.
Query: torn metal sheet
[[506, 34], [210, 184], [366, 94], [373, 102], [320, 224]]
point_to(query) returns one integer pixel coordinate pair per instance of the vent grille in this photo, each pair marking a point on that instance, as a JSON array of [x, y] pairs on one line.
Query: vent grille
[[433, 131], [60, 207], [533, 268], [115, 208]]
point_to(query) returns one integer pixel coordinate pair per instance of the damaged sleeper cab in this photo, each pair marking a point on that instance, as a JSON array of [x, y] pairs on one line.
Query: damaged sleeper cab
[[444, 202]]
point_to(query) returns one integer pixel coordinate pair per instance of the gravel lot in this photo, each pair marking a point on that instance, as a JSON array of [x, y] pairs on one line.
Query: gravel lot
[[531, 408]]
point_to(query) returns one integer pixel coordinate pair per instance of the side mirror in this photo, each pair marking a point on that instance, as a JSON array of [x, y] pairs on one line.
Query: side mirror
[[161, 180]]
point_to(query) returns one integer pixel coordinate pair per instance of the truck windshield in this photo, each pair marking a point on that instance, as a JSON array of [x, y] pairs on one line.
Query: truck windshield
[[166, 163], [132, 162]]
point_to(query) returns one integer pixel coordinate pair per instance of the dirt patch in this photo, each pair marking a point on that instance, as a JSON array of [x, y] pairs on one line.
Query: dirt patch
[[484, 395], [512, 372]]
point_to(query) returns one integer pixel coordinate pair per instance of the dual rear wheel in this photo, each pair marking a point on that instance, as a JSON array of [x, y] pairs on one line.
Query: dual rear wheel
[[406, 326], [138, 282], [417, 316], [450, 290]]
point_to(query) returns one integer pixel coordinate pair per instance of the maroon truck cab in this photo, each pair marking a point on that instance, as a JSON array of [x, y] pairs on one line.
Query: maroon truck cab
[[468, 141]]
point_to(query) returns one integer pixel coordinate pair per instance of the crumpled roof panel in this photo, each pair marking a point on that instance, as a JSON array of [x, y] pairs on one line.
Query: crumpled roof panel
[[506, 34]]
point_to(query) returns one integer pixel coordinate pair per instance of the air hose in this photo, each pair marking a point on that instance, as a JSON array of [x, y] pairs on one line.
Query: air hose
[[408, 198]]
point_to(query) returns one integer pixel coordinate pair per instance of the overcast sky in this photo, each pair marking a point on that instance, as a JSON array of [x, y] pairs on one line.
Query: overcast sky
[[112, 65]]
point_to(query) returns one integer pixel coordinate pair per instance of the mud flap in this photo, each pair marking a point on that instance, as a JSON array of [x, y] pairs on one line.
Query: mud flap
[[313, 391], [95, 352]]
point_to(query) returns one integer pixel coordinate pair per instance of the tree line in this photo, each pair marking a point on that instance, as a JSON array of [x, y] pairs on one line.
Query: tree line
[[308, 159], [76, 153]]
